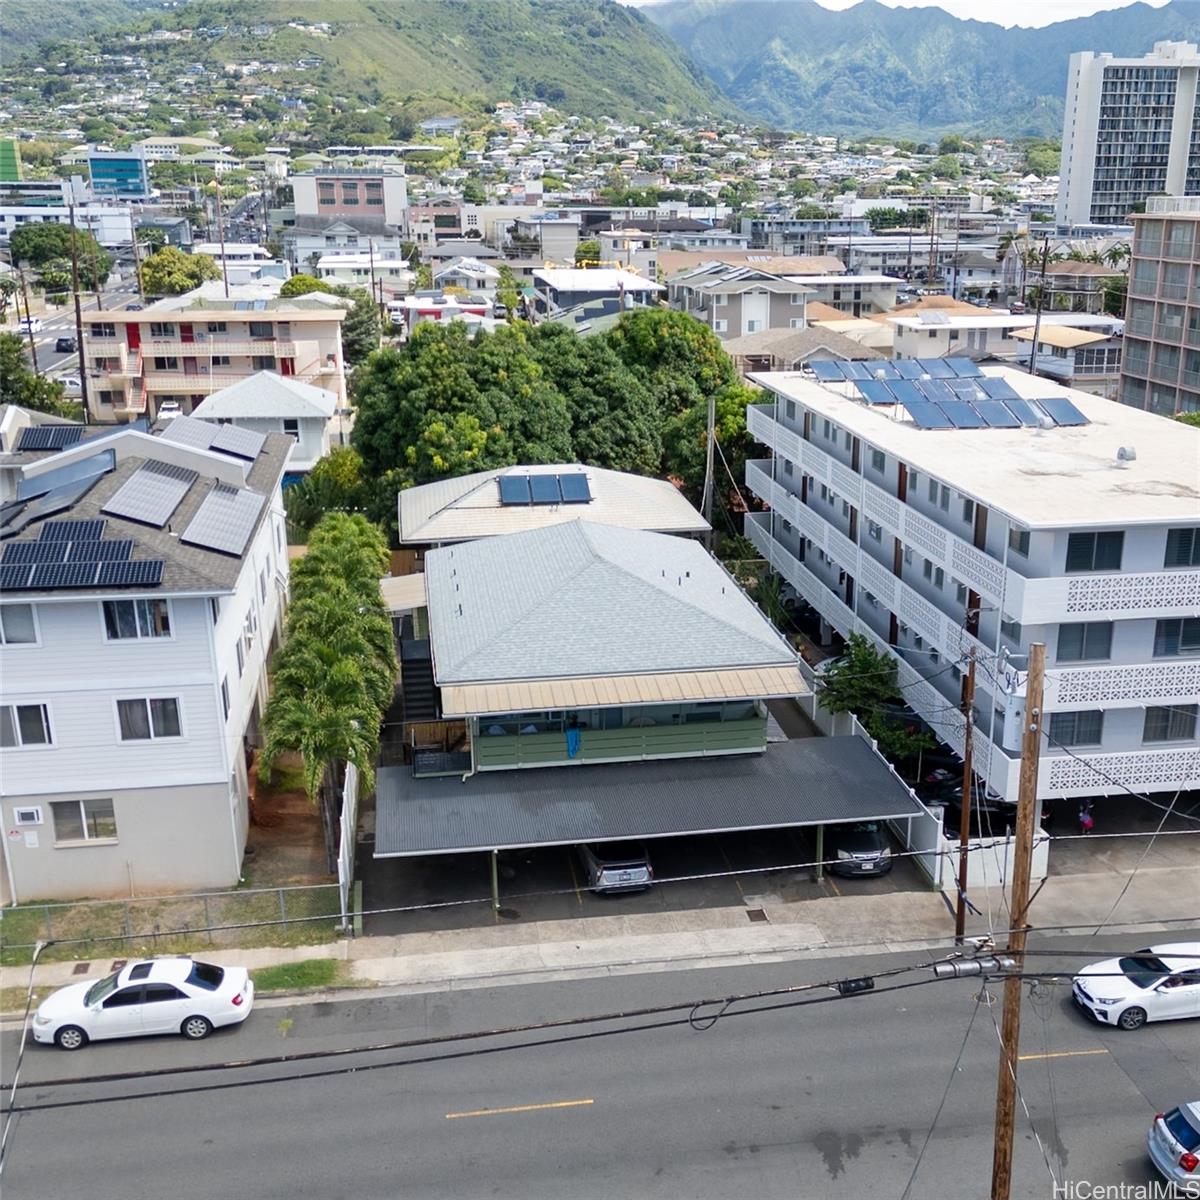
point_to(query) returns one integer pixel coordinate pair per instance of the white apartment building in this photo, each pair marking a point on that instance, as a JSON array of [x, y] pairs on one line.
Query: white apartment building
[[110, 224], [186, 347], [936, 333], [938, 543], [1130, 127], [358, 270], [142, 581]]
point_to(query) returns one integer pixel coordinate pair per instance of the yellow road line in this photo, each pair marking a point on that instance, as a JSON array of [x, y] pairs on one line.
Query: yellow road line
[[519, 1108], [1060, 1054], [829, 880]]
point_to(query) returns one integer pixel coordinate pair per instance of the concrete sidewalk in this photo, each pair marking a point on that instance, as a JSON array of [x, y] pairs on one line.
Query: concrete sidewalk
[[523, 952]]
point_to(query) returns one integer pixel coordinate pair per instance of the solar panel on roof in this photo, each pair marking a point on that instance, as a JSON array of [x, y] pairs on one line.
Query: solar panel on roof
[[936, 390], [962, 414], [996, 414], [187, 431], [1062, 411], [151, 494], [72, 531], [876, 391], [908, 368], [1025, 412], [514, 489], [113, 550], [998, 389], [69, 474], [225, 519], [244, 443], [964, 368], [857, 370], [14, 576], [966, 389], [927, 416], [52, 576], [61, 499], [545, 489], [35, 552], [49, 437], [936, 368], [827, 371], [125, 574], [575, 489], [906, 391]]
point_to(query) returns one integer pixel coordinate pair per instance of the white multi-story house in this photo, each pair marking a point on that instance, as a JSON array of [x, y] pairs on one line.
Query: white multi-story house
[[940, 542], [141, 583], [268, 403], [187, 347]]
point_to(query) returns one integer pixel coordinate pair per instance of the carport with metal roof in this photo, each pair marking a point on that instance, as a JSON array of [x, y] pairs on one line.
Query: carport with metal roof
[[808, 781]]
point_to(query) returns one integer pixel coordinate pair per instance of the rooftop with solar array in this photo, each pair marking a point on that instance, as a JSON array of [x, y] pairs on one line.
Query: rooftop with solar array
[[1022, 444]]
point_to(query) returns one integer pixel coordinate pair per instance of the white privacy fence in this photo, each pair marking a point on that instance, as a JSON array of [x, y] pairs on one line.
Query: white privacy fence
[[347, 834]]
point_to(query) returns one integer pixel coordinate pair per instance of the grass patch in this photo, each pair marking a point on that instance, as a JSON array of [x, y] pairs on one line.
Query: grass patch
[[12, 999], [308, 973]]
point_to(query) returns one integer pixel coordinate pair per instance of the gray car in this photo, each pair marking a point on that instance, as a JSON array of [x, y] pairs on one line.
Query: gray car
[[1174, 1146], [858, 849], [616, 866]]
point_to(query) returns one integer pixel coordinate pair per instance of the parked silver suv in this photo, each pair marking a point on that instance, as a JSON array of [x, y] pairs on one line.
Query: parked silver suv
[[616, 866]]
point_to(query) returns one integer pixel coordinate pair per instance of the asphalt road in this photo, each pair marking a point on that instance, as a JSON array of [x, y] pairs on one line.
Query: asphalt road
[[830, 1100]]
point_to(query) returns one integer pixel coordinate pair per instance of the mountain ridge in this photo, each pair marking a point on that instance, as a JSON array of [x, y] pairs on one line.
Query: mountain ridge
[[910, 71]]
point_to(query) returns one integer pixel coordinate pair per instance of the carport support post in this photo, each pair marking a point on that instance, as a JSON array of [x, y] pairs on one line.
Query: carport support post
[[495, 882], [819, 872], [964, 819]]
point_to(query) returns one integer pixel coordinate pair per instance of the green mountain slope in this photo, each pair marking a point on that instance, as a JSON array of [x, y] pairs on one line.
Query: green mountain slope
[[914, 71], [28, 22], [585, 56]]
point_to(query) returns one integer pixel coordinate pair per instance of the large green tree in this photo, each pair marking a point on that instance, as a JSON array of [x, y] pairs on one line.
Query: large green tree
[[44, 242], [360, 329], [614, 417], [171, 272], [20, 385]]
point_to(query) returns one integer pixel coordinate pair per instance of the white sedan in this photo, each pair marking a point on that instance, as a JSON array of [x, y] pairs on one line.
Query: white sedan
[[163, 995], [1160, 983]]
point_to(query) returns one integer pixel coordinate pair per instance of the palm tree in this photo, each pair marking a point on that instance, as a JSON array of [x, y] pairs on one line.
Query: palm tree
[[1117, 254]]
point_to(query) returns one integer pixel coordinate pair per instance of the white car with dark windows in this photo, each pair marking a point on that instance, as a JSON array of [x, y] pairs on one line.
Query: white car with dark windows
[[162, 995], [1174, 1147], [1160, 983]]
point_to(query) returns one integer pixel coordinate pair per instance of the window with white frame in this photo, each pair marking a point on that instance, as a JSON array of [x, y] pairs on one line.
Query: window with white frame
[[225, 696], [720, 326], [878, 460], [241, 657], [131, 619], [291, 426], [1018, 541], [83, 820], [1084, 641], [262, 584], [17, 625], [720, 299], [1177, 637], [24, 725], [149, 719]]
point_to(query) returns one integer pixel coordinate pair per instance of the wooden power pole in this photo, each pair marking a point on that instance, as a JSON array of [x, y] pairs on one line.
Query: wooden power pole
[[1010, 1020], [83, 375], [28, 320], [964, 820]]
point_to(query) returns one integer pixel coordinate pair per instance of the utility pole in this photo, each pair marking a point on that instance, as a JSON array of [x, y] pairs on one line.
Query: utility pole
[[83, 379], [137, 266], [221, 238], [1010, 1020], [707, 498], [964, 820], [1037, 321], [28, 320], [954, 284], [932, 241]]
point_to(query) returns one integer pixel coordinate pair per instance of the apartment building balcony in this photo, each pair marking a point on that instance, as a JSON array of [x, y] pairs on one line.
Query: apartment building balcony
[[204, 347], [1037, 601]]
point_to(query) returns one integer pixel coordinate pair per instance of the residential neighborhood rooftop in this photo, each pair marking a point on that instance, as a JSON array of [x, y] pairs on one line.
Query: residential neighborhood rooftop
[[1060, 477], [267, 394], [470, 506]]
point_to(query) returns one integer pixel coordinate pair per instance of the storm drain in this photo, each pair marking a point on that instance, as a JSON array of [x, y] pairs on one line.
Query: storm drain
[[81, 968], [756, 914], [118, 963]]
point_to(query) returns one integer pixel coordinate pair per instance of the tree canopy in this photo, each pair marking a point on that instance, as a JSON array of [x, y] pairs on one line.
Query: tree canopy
[[46, 244], [20, 385], [171, 272]]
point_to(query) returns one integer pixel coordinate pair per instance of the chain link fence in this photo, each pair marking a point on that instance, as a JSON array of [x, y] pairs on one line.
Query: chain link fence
[[150, 925]]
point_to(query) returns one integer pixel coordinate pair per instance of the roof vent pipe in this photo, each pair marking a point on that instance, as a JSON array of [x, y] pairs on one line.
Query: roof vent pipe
[[1125, 455]]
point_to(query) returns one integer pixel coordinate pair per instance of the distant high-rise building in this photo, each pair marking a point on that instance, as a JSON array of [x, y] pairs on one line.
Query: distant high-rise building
[[10, 161], [1131, 129], [1160, 369]]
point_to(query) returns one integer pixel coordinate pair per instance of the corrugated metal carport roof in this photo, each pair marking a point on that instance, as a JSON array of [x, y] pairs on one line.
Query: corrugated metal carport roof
[[809, 781]]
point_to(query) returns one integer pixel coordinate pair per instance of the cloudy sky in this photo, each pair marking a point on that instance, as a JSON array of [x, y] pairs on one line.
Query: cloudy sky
[[1033, 13]]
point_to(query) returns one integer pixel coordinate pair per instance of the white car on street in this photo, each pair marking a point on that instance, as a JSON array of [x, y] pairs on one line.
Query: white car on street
[[162, 995], [1160, 983], [30, 325]]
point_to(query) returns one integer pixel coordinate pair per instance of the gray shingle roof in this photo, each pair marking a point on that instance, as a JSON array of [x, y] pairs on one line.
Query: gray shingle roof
[[582, 599], [267, 394]]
